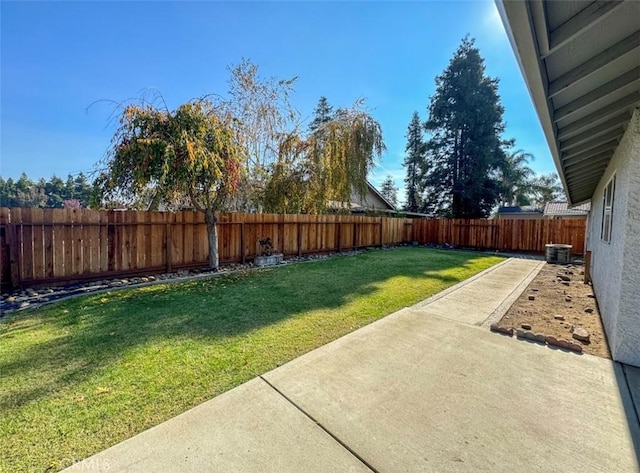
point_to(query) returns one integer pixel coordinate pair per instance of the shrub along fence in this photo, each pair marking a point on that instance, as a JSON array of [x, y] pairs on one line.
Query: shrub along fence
[[49, 246]]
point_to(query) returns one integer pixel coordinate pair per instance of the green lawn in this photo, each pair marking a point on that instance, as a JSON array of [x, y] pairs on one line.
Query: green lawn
[[81, 375]]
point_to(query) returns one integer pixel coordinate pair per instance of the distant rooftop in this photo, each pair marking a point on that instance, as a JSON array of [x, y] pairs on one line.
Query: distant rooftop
[[519, 209], [562, 208]]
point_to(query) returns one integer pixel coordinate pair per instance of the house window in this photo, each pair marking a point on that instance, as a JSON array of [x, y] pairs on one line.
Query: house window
[[607, 209]]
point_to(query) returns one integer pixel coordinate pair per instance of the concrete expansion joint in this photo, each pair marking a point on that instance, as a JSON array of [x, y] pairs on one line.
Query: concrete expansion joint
[[327, 431]]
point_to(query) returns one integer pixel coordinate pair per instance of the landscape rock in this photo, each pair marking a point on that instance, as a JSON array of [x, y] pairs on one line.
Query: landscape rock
[[526, 326], [527, 334], [532, 297], [566, 344], [589, 310], [500, 329], [567, 298], [564, 277], [592, 296], [11, 299], [558, 317], [566, 283], [580, 333]]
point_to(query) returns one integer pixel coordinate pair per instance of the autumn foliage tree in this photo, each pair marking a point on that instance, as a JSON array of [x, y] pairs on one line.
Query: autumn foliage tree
[[194, 153], [322, 169]]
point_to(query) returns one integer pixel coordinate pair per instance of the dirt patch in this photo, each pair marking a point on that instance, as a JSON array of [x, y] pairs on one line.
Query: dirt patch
[[557, 303]]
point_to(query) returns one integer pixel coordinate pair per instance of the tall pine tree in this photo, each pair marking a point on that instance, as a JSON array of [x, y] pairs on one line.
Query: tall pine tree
[[322, 114], [389, 191], [414, 162], [465, 150]]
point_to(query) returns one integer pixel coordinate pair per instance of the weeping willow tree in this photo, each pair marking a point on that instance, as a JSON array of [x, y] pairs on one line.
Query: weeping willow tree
[[323, 169], [194, 153]]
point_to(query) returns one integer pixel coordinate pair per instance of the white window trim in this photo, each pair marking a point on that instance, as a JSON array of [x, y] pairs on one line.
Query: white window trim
[[608, 200]]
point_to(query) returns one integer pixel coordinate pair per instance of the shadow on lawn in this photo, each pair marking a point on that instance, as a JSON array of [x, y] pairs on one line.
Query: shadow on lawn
[[94, 331]]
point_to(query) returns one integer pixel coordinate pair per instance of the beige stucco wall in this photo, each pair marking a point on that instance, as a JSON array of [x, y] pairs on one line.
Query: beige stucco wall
[[370, 201], [616, 265]]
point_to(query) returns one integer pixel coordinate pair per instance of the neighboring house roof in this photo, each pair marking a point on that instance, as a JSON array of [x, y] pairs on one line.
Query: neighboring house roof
[[372, 200], [519, 209], [377, 193], [562, 208], [581, 63]]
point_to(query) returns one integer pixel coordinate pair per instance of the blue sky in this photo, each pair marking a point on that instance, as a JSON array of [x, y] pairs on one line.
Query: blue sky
[[57, 58]]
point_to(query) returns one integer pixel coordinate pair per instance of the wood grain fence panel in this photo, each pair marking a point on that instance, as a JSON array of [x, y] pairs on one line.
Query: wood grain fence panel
[[78, 248], [17, 244], [290, 235], [159, 239], [200, 239], [85, 240], [58, 217], [103, 238], [118, 244], [94, 249], [177, 236], [27, 245], [5, 254], [188, 237], [154, 240], [148, 234], [37, 220]]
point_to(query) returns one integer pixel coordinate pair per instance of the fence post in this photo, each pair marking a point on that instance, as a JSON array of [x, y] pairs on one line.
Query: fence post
[[587, 267], [243, 256], [14, 254], [299, 240], [381, 231], [339, 237], [169, 246], [355, 235]]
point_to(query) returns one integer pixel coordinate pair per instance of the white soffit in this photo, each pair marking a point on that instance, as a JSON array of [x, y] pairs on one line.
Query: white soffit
[[581, 62]]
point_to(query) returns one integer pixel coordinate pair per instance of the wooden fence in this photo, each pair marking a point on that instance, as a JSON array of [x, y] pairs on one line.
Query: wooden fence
[[48, 246], [505, 235]]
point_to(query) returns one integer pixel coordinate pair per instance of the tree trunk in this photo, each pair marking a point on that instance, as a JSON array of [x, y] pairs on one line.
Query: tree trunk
[[211, 220]]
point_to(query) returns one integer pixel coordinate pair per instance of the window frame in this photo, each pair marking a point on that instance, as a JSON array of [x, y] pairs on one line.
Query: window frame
[[608, 200]]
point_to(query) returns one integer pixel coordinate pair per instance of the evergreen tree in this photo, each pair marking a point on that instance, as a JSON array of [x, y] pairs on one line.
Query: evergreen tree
[[465, 149], [414, 162], [54, 189], [45, 194], [322, 114], [389, 191]]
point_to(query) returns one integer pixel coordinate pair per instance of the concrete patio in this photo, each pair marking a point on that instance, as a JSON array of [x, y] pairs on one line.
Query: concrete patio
[[424, 389]]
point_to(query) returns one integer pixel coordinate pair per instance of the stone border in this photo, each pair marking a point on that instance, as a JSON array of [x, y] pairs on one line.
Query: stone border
[[540, 338]]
